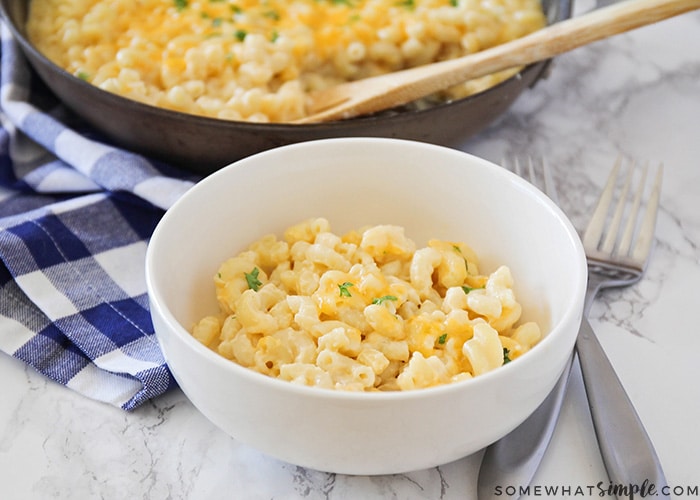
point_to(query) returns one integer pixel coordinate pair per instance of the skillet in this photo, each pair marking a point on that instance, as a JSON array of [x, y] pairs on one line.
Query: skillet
[[204, 145]]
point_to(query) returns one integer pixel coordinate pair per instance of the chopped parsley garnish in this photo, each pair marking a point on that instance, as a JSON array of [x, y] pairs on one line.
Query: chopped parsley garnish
[[468, 289], [240, 35], [459, 251], [409, 4], [180, 5], [252, 279], [344, 289], [442, 339], [380, 300], [83, 75], [506, 356]]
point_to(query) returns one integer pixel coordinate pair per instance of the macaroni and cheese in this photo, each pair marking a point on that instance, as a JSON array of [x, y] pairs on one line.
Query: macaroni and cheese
[[257, 60], [364, 311]]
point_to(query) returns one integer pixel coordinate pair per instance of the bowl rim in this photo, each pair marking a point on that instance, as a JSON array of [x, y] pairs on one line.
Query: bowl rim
[[572, 311]]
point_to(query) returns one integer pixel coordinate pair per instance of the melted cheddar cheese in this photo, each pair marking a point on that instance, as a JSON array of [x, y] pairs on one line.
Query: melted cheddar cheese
[[257, 60]]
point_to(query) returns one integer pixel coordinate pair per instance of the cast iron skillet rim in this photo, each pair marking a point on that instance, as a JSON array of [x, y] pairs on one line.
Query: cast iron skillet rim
[[140, 107], [204, 145]]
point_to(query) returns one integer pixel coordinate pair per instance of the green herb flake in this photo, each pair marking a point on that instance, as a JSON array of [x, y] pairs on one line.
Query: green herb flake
[[409, 4], [344, 289], [468, 289], [252, 279], [240, 35], [381, 300], [83, 75], [442, 339], [454, 3], [506, 356], [459, 251], [181, 5]]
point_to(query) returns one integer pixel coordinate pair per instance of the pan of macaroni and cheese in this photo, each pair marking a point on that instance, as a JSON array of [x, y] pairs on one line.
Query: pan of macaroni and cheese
[[201, 83]]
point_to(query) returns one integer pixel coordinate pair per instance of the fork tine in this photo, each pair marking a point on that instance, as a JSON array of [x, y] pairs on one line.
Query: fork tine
[[614, 226], [617, 243], [544, 181], [626, 240], [646, 232], [594, 230], [515, 167], [549, 186], [531, 175]]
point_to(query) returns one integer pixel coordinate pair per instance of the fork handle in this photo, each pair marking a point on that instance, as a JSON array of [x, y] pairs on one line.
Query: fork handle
[[627, 451]]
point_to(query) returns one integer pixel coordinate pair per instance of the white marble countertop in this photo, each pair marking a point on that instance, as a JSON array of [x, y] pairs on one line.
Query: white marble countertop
[[636, 94]]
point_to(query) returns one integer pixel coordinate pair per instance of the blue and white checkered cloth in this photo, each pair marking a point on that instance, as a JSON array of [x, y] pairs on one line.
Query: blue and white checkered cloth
[[75, 218]]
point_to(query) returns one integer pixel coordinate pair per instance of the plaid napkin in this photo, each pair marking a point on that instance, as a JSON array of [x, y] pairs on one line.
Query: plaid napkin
[[75, 218]]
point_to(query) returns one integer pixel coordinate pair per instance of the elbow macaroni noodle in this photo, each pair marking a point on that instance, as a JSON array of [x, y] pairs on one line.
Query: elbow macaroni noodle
[[257, 60], [365, 311]]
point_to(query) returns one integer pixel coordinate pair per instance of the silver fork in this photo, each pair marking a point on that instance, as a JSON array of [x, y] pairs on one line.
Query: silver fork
[[616, 257]]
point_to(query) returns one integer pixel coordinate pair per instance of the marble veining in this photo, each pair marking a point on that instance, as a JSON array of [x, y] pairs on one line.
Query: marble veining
[[638, 95]]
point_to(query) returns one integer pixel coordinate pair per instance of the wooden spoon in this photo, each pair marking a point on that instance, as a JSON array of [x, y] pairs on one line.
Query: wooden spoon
[[374, 94]]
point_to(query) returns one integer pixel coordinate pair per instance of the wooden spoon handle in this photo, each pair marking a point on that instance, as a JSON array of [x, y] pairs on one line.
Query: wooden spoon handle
[[378, 93]]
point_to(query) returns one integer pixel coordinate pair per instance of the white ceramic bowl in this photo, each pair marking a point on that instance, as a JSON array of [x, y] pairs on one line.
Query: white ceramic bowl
[[434, 192]]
